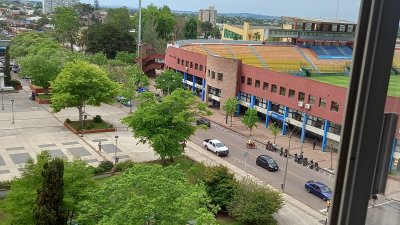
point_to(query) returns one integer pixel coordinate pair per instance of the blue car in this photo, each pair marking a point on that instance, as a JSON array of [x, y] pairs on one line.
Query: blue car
[[142, 89], [318, 189]]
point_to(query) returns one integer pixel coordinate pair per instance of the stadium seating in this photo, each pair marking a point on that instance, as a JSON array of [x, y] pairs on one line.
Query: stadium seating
[[332, 52], [326, 65], [282, 58]]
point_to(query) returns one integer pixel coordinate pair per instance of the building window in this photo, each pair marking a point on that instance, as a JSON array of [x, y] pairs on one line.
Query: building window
[[183, 62], [212, 75], [201, 67], [220, 76], [258, 83], [187, 63], [301, 96], [334, 106], [242, 79], [311, 99], [265, 86], [291, 93], [249, 81], [245, 97], [179, 61], [261, 102], [208, 74], [334, 128], [191, 64], [196, 66], [282, 91], [273, 88], [322, 103]]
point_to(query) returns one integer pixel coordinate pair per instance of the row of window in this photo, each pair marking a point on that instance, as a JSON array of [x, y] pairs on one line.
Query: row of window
[[291, 93], [189, 64], [211, 74]]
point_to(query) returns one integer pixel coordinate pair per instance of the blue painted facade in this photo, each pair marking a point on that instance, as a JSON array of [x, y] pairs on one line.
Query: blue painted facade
[[285, 114], [324, 137], [238, 106], [194, 84], [267, 116], [303, 127], [203, 90]]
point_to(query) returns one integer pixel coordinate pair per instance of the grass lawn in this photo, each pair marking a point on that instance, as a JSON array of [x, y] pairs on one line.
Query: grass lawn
[[343, 81], [43, 96], [3, 215], [89, 125]]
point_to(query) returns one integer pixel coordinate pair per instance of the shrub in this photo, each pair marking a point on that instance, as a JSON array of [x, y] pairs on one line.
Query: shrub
[[89, 126], [253, 203], [122, 166], [15, 83], [110, 126], [97, 119], [106, 165], [68, 120]]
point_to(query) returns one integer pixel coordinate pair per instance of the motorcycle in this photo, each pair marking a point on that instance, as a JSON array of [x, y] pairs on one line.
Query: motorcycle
[[281, 152], [305, 162], [311, 166], [286, 153], [251, 145], [316, 166]]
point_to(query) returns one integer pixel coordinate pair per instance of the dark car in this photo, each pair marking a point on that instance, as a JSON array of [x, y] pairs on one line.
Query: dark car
[[142, 89], [267, 163], [318, 189], [203, 121]]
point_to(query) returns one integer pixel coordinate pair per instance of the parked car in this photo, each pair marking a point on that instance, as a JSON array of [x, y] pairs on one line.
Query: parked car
[[203, 121], [267, 162], [216, 146], [124, 101], [318, 189]]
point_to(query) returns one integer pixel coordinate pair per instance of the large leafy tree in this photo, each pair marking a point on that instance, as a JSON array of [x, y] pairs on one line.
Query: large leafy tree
[[206, 28], [162, 18], [119, 18], [254, 204], [43, 66], [31, 42], [21, 199], [125, 57], [190, 30], [169, 81], [67, 25], [147, 194], [149, 29], [108, 39], [179, 28], [50, 208], [85, 13], [81, 83], [230, 107], [250, 119], [168, 124], [7, 68], [215, 32]]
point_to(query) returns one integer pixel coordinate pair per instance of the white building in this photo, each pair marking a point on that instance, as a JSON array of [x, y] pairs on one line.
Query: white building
[[50, 5]]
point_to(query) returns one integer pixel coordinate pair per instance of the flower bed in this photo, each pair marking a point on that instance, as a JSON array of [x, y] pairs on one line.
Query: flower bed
[[89, 127]]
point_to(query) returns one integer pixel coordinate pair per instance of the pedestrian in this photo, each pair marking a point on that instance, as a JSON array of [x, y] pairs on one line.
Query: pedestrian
[[314, 144]]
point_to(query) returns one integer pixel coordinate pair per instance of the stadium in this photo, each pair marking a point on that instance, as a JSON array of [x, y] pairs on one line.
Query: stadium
[[301, 84]]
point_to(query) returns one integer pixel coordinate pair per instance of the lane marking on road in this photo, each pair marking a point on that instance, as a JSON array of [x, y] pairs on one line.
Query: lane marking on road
[[247, 164], [380, 204]]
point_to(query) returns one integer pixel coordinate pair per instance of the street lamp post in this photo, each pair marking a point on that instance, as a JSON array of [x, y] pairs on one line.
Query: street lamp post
[[12, 110], [287, 160], [331, 150], [2, 99], [116, 148]]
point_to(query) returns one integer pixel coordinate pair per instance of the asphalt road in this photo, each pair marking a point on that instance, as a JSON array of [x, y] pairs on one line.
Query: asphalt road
[[297, 175]]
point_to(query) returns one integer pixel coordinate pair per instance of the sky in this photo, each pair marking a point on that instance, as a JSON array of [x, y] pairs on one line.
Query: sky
[[325, 9]]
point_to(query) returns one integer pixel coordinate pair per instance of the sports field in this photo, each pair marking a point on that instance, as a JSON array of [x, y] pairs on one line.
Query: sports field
[[343, 81]]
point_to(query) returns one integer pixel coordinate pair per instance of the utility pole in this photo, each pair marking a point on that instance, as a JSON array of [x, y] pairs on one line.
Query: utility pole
[[139, 34]]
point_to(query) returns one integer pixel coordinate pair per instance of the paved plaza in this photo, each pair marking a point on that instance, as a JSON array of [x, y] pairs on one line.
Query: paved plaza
[[36, 129]]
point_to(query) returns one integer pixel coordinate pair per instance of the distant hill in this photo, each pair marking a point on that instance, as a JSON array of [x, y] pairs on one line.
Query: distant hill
[[246, 15]]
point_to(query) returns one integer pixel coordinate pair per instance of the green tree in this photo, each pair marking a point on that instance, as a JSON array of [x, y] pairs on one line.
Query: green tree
[[179, 28], [21, 200], [215, 32], [125, 57], [274, 129], [98, 59], [66, 21], [50, 208], [230, 107], [85, 13], [168, 81], [220, 185], [147, 194], [119, 18], [31, 42], [43, 21], [108, 39], [206, 28], [256, 36], [168, 124], [254, 204], [149, 29], [190, 30], [43, 66], [7, 68], [250, 119], [81, 83]]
